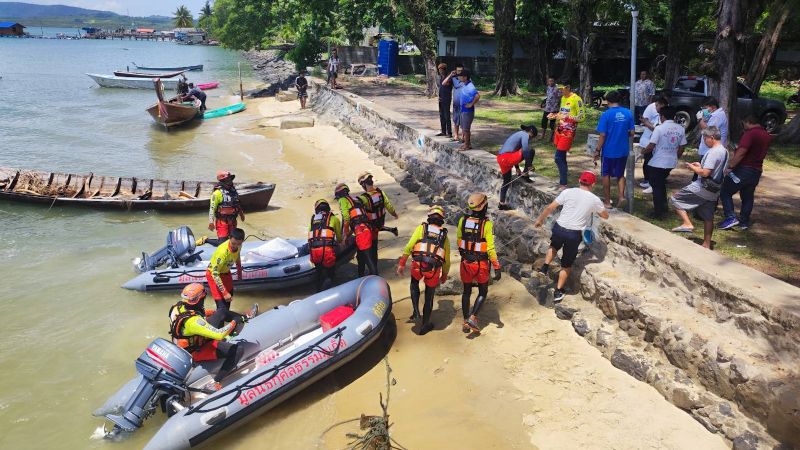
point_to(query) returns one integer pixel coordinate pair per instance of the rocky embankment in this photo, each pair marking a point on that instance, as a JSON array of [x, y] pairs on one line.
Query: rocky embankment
[[717, 339], [278, 73]]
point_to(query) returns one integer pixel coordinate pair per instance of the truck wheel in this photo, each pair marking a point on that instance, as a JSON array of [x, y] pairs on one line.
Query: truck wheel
[[771, 122], [684, 119]]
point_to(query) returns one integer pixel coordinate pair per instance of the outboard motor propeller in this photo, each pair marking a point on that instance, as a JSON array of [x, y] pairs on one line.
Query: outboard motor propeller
[[164, 368], [180, 244]]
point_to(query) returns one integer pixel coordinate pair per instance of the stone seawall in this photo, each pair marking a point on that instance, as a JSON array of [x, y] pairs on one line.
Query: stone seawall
[[717, 339]]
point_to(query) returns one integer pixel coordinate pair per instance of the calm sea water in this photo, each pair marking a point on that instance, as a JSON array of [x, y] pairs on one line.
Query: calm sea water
[[70, 333]]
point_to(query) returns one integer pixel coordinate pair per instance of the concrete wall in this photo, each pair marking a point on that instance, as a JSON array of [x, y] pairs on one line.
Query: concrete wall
[[474, 46], [717, 339]]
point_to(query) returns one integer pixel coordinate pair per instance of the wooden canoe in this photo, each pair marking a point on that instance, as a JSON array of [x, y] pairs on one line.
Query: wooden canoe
[[173, 112], [198, 67], [122, 73], [127, 193]]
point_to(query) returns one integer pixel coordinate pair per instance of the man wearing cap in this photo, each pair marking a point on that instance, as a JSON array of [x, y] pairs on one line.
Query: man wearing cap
[[445, 97], [429, 249], [475, 237], [225, 206], [377, 204], [579, 205]]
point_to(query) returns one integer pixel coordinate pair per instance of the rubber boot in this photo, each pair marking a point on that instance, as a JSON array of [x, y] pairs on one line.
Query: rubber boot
[[414, 299], [427, 326]]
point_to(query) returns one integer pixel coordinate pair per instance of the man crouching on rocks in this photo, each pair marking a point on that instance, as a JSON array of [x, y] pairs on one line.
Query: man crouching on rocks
[[579, 204]]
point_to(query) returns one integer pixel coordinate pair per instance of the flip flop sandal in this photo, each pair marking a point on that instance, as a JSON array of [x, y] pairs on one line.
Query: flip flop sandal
[[474, 327], [682, 229]]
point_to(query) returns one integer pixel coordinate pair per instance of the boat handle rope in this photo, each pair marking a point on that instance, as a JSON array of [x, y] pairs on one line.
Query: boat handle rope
[[255, 380], [197, 272]]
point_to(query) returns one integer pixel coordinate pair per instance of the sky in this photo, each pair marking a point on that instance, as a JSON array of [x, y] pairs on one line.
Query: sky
[[139, 8]]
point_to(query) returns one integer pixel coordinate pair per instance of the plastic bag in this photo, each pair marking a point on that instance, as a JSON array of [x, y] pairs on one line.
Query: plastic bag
[[273, 250]]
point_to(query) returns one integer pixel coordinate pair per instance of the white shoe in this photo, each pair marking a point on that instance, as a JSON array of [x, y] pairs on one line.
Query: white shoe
[[648, 190], [644, 184]]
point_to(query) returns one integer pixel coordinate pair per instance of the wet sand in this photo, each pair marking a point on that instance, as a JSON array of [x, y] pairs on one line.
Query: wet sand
[[528, 381]]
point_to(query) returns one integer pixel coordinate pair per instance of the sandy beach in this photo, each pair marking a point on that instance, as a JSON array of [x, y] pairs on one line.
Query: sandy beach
[[528, 381]]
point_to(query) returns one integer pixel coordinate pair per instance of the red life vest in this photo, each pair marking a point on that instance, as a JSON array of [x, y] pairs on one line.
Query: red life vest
[[321, 234], [429, 251], [472, 245]]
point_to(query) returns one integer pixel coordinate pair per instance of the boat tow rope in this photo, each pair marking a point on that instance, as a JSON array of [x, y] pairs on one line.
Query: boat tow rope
[[259, 378], [200, 272]]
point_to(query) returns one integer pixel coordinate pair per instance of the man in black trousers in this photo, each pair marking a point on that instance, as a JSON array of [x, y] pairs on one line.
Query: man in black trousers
[[445, 97]]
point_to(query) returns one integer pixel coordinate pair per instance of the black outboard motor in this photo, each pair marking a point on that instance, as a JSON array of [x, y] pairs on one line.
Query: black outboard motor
[[180, 246], [164, 368]]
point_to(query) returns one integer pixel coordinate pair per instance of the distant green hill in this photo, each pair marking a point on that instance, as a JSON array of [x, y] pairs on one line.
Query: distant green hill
[[32, 15]]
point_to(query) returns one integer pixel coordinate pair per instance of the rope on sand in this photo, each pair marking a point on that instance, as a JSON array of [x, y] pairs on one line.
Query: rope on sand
[[377, 435]]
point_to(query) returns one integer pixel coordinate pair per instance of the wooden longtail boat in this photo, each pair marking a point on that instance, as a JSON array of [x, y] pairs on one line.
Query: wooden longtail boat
[[110, 81], [129, 193], [170, 69], [122, 73], [173, 112]]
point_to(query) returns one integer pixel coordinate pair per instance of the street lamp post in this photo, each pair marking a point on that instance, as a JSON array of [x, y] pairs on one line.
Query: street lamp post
[[630, 170]]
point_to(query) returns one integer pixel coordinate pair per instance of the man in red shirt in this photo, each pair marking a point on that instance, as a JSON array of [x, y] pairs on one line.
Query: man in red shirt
[[746, 164]]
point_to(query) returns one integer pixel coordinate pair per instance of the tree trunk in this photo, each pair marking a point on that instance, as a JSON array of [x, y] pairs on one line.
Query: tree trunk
[[779, 12], [678, 40], [538, 66], [424, 37], [504, 14], [584, 19], [726, 46], [790, 134], [569, 60]]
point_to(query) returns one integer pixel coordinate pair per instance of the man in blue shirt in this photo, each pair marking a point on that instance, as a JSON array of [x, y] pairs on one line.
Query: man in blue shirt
[[469, 97], [615, 128]]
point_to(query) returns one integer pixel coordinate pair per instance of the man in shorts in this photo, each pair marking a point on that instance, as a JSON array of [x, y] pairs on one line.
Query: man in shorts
[[469, 97], [301, 83], [701, 194], [579, 205], [615, 128]]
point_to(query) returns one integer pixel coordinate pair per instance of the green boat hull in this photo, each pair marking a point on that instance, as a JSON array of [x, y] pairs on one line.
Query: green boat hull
[[226, 111]]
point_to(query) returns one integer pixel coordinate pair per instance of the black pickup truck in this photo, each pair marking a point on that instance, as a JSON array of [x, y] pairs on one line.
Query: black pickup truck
[[689, 92]]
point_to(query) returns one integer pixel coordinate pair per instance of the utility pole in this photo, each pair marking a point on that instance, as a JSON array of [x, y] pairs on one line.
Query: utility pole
[[630, 171]]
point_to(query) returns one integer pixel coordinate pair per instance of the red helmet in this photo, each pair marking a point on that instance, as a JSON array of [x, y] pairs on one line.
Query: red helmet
[[224, 175], [193, 293]]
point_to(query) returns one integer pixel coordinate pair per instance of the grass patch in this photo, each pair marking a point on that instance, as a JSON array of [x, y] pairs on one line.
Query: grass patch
[[777, 91], [781, 156]]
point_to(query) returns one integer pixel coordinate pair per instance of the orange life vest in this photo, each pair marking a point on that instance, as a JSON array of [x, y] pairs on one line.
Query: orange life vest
[[472, 245], [429, 251], [376, 208], [229, 206], [189, 343], [358, 215], [321, 233]]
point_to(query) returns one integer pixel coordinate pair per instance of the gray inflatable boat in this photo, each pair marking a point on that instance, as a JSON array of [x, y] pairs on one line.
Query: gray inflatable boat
[[285, 350], [274, 264]]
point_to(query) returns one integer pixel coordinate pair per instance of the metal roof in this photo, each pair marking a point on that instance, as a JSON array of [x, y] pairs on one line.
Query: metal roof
[[10, 24]]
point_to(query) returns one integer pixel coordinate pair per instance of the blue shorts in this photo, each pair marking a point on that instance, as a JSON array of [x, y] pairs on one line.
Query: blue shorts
[[614, 167]]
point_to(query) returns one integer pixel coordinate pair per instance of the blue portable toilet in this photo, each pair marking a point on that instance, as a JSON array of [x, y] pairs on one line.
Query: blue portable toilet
[[388, 51]]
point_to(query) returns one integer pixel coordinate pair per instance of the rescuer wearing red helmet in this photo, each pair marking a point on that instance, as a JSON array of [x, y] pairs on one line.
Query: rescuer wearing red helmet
[[324, 236], [429, 249], [475, 237], [225, 206], [579, 205]]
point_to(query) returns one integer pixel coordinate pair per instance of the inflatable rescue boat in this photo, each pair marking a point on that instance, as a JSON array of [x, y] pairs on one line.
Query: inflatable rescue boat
[[274, 264], [285, 350]]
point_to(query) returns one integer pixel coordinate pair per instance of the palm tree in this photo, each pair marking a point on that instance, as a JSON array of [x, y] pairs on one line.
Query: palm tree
[[183, 18], [204, 21]]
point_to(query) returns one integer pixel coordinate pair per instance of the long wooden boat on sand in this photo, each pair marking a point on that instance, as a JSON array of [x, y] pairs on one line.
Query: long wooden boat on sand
[[127, 193], [175, 111], [110, 81], [198, 67], [127, 74]]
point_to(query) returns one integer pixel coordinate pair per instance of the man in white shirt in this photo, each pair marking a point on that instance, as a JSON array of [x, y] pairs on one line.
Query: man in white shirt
[[665, 146], [579, 205], [651, 118], [713, 116], [702, 194]]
